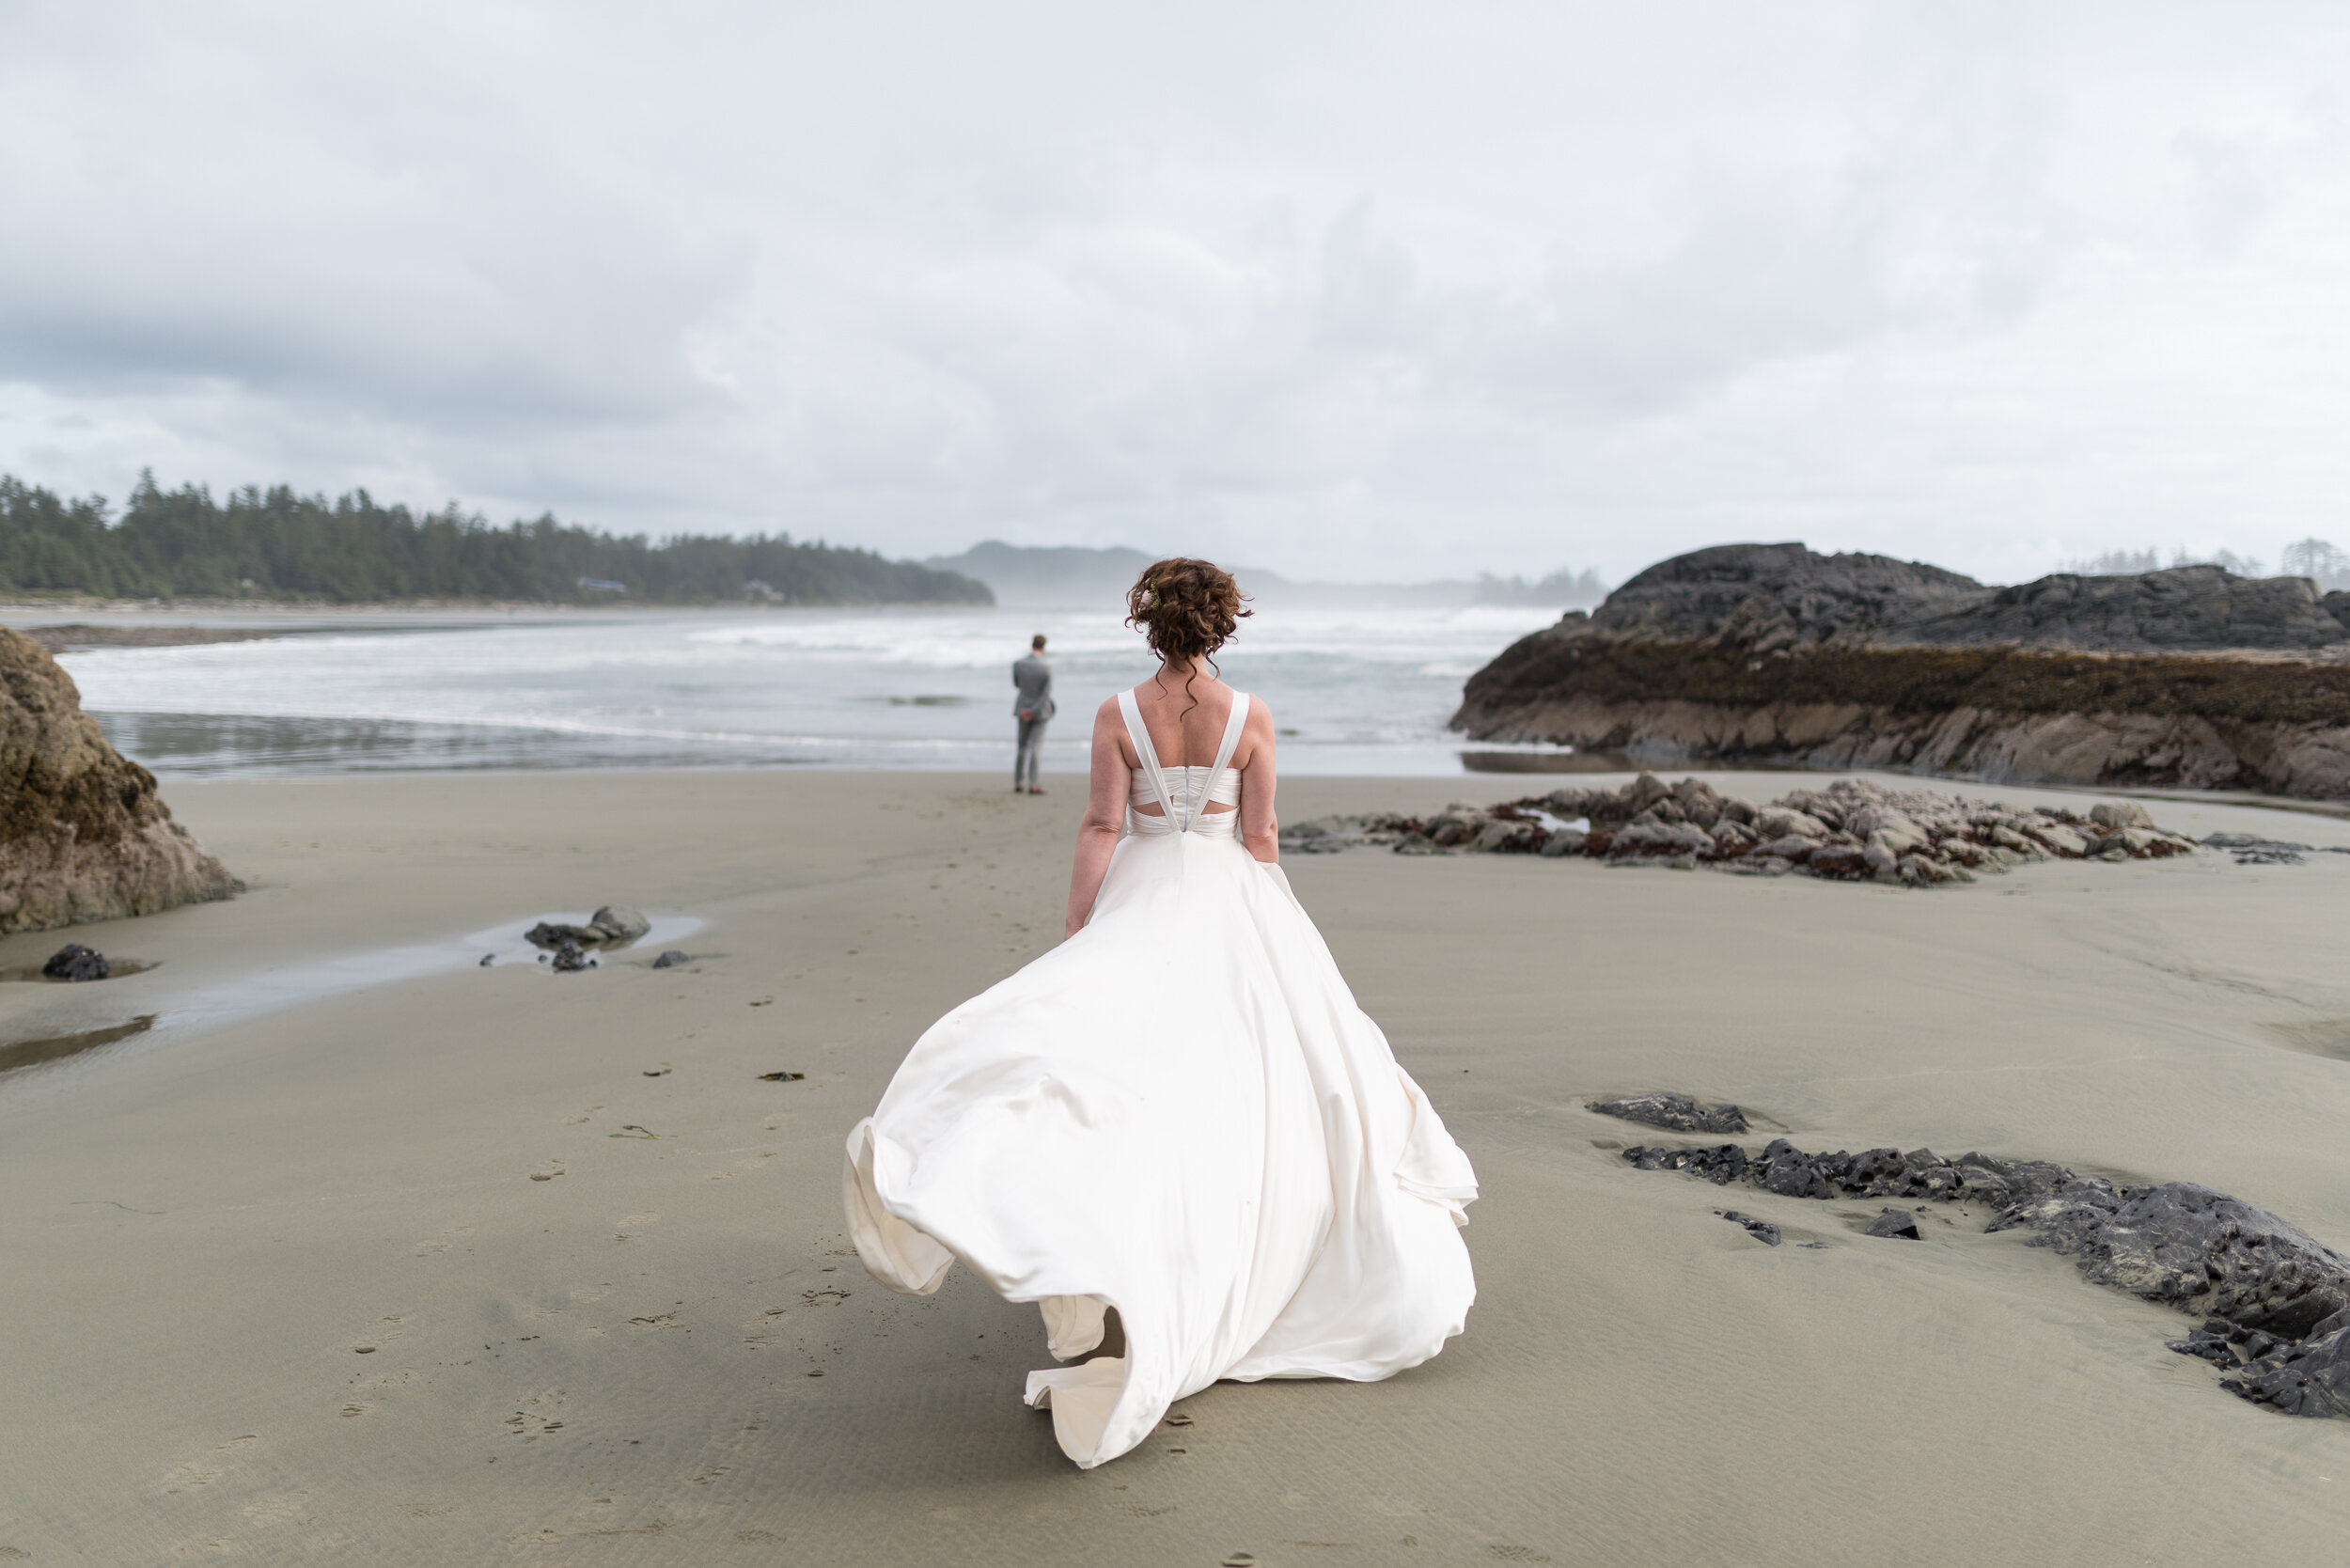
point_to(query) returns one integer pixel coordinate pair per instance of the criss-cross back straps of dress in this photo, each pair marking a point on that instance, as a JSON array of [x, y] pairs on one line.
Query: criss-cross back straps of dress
[[1140, 733]]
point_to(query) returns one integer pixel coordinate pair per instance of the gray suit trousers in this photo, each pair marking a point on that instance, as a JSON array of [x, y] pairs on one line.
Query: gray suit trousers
[[1025, 760]]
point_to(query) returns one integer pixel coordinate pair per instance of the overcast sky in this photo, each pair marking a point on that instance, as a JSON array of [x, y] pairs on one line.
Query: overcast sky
[[1339, 290]]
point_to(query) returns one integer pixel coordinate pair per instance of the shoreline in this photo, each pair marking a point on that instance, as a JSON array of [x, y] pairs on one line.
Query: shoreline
[[384, 1275]]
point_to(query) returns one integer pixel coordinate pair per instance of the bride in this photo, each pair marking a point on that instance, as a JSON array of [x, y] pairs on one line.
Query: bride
[[1180, 1112]]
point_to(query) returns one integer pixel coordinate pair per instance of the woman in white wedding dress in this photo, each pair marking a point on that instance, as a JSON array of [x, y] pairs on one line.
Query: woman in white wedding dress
[[1179, 1112]]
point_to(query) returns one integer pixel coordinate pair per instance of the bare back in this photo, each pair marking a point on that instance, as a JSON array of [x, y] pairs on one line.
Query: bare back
[[1186, 733], [1187, 729]]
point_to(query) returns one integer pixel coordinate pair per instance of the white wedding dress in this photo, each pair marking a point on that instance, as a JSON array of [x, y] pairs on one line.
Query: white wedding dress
[[1179, 1112]]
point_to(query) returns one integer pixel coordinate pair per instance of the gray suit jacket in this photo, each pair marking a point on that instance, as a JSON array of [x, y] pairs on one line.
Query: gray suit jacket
[[1034, 677]]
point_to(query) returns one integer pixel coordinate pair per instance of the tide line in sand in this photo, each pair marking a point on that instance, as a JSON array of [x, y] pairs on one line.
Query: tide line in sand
[[251, 993]]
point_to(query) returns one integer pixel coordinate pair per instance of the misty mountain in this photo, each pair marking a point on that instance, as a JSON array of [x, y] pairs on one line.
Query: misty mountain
[[1067, 576]]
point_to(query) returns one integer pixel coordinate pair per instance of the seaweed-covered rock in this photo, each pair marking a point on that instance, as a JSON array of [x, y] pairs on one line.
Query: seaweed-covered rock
[[84, 833]]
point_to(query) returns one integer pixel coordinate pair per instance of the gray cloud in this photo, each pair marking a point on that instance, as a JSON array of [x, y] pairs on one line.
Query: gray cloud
[[1335, 288]]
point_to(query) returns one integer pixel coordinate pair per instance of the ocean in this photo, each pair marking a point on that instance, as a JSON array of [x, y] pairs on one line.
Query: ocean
[[1355, 690]]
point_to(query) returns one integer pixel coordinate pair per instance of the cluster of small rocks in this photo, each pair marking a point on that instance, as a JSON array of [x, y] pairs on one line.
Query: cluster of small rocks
[[1851, 831], [2276, 1302]]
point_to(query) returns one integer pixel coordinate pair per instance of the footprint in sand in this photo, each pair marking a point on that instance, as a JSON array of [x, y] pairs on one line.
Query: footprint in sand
[[187, 1477], [431, 1249], [285, 1508]]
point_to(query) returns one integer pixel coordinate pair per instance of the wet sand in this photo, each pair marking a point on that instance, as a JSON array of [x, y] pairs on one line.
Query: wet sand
[[284, 1288]]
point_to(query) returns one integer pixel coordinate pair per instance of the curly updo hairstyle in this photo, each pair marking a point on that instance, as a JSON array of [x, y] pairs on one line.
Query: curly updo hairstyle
[[1186, 609]]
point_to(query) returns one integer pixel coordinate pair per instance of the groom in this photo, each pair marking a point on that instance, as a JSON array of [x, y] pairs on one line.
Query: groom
[[1033, 678]]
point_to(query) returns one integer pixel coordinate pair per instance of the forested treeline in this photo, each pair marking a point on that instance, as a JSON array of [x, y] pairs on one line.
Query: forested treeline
[[275, 544]]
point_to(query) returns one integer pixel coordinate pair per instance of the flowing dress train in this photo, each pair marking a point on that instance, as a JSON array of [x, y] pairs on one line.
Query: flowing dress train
[[1179, 1112]]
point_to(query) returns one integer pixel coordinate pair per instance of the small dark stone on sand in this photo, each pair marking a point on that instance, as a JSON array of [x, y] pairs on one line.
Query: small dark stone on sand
[[1760, 1229], [1676, 1111], [488, 959], [1894, 1222], [570, 956], [2250, 850], [73, 962], [781, 1077], [671, 959]]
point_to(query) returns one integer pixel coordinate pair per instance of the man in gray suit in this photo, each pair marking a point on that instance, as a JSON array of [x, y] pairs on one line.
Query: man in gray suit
[[1033, 678]]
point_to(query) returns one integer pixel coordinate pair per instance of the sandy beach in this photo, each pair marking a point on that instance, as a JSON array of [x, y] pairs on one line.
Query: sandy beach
[[282, 1286]]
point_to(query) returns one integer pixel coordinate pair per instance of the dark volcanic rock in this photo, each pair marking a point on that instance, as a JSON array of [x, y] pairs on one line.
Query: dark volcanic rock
[[2311, 1379], [552, 934], [2199, 608], [2272, 1293], [1775, 595], [1769, 597], [1675, 1111], [1776, 652], [2195, 1249], [671, 959], [73, 962], [84, 835], [569, 956]]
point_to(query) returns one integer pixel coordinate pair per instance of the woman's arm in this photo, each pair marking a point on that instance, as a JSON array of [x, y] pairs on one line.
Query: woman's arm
[[1259, 830], [1104, 818]]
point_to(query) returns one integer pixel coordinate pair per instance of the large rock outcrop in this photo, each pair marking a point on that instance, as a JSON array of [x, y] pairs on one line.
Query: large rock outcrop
[[84, 835], [1772, 652]]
